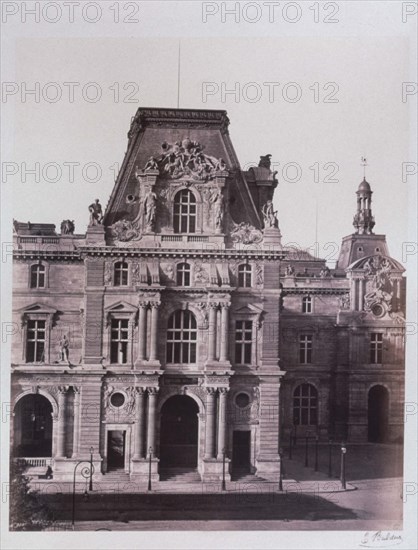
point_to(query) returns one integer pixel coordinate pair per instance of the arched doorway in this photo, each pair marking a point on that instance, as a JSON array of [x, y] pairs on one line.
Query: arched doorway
[[378, 414], [179, 433], [32, 426]]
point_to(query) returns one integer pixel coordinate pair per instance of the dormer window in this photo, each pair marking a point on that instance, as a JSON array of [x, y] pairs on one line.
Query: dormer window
[[37, 276], [184, 212], [121, 274], [244, 276], [183, 274]]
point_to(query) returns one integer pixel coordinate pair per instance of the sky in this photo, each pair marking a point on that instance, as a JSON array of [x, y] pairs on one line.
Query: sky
[[316, 101]]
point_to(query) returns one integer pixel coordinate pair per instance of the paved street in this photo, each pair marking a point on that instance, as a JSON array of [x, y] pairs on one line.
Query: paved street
[[310, 500]]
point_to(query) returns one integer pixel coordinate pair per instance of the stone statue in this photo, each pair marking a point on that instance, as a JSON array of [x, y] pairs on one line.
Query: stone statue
[[67, 227], [151, 164], [345, 302], [64, 349], [325, 272], [150, 206], [96, 213], [217, 202], [265, 161], [290, 270], [269, 215]]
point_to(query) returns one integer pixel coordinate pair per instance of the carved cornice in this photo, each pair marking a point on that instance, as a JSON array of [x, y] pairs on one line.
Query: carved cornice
[[307, 290]]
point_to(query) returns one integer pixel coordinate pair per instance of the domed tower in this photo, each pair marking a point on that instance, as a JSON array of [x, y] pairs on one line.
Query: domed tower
[[364, 220], [363, 241]]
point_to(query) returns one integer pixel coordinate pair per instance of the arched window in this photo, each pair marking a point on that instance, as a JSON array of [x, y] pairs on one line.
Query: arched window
[[307, 304], [305, 405], [183, 274], [184, 212], [121, 274], [244, 276], [181, 337], [37, 276]]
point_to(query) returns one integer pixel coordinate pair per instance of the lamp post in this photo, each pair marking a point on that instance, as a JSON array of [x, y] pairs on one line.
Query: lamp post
[[290, 444], [223, 487], [316, 453], [281, 470], [306, 451], [86, 472], [149, 468], [91, 469], [342, 475]]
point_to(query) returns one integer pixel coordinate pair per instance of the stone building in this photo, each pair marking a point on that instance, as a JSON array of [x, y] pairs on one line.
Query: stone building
[[178, 330]]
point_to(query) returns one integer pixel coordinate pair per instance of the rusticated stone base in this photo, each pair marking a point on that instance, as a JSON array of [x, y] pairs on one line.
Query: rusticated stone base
[[268, 468], [140, 470], [212, 470]]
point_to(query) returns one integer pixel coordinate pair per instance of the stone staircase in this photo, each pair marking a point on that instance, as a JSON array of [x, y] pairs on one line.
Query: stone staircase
[[116, 476], [244, 476], [180, 476]]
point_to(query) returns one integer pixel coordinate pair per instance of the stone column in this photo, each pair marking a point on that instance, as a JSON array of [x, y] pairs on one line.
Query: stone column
[[212, 332], [210, 422], [361, 295], [76, 432], [223, 392], [60, 426], [142, 332], [223, 356], [352, 294], [139, 439], [154, 332], [152, 420]]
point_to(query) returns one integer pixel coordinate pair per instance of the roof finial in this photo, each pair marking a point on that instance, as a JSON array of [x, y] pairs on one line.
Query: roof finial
[[364, 164]]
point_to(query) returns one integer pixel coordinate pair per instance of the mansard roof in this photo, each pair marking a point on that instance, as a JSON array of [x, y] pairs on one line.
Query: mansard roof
[[154, 131]]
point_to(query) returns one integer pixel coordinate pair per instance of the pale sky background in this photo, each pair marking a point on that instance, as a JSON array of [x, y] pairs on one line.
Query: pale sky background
[[369, 118], [369, 53]]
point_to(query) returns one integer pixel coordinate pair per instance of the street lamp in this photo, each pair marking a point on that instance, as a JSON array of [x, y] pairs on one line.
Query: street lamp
[[281, 470], [91, 469], [342, 475], [223, 487], [149, 468], [86, 472]]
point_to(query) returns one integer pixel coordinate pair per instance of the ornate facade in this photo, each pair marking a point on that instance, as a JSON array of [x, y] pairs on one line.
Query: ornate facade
[[178, 330]]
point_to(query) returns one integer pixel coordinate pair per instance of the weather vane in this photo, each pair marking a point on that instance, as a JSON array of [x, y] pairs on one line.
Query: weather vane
[[364, 164]]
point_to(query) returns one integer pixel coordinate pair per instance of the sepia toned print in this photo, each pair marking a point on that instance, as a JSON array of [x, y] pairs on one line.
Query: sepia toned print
[[209, 244]]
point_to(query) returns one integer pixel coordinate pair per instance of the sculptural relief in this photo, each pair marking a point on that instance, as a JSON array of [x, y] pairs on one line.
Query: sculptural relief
[[185, 159], [246, 233]]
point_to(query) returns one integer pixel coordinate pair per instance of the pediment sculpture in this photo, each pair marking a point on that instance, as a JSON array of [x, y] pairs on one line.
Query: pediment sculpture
[[185, 159]]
